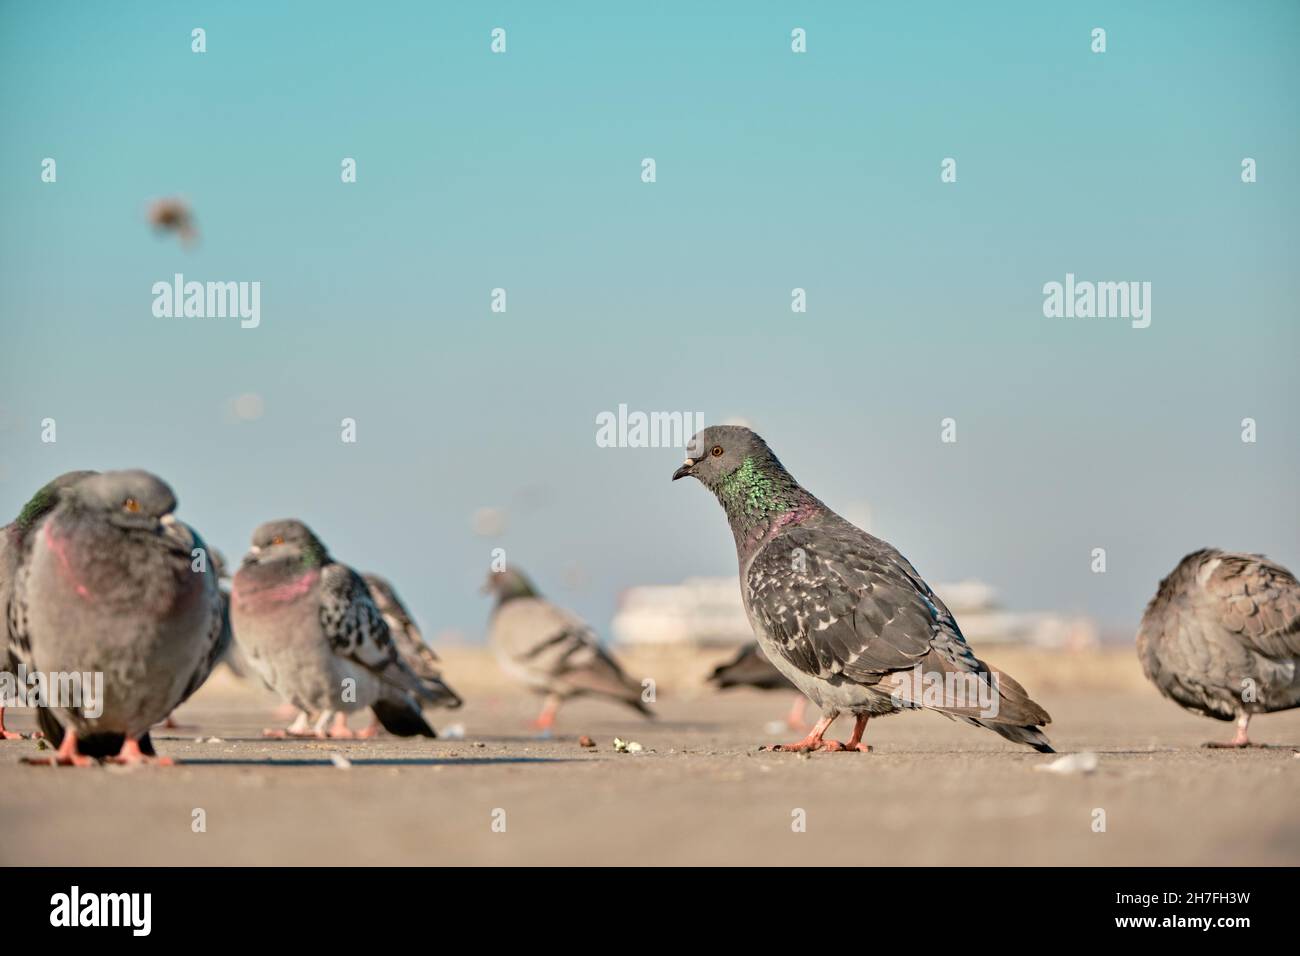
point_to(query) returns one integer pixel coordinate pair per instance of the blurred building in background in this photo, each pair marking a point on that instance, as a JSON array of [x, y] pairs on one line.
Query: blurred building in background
[[707, 611]]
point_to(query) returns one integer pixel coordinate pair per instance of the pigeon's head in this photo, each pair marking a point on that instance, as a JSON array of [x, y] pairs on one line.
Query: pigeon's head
[[508, 583], [719, 451], [285, 539], [134, 500]]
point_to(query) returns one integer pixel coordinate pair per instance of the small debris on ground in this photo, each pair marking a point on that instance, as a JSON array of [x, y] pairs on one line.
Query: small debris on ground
[[1085, 762]]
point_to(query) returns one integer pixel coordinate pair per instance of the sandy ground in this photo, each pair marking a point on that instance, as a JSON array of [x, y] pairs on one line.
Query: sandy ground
[[933, 792]]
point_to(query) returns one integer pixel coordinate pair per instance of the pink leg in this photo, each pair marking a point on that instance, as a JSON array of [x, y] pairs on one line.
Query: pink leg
[[1240, 739], [794, 720], [546, 719], [813, 741], [68, 755], [855, 739], [340, 727], [7, 734], [371, 731], [132, 755]]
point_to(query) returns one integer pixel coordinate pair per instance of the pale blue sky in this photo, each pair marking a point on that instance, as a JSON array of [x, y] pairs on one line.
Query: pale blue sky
[[775, 170]]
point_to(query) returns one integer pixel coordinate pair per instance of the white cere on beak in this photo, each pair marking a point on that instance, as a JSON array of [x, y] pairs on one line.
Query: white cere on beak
[[168, 520]]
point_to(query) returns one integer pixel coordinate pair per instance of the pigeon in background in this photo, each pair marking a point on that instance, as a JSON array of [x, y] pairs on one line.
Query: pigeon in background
[[1221, 637], [109, 589], [15, 544], [551, 650], [841, 613], [751, 668], [310, 628]]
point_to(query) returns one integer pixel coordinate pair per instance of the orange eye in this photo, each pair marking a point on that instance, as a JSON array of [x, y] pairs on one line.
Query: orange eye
[[131, 505], [717, 451], [277, 540]]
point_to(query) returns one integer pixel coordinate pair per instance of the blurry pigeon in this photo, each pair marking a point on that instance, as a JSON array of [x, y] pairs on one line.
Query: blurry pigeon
[[841, 613], [110, 589], [309, 626], [551, 650], [173, 214], [1222, 637], [15, 544], [751, 668]]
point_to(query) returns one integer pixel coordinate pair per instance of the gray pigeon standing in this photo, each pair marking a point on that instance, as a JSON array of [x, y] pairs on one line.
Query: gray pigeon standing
[[841, 613], [110, 589], [751, 668], [1222, 638], [15, 543], [310, 627], [551, 650]]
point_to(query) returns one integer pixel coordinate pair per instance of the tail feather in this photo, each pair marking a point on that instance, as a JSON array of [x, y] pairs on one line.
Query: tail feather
[[402, 718]]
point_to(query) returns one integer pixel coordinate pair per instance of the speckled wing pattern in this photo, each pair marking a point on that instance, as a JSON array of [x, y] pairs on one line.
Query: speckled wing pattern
[[355, 628], [842, 603]]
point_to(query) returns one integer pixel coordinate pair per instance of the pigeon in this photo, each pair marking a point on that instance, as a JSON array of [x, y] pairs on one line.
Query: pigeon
[[1221, 637], [110, 589], [310, 628], [750, 668], [551, 650], [15, 540], [842, 613]]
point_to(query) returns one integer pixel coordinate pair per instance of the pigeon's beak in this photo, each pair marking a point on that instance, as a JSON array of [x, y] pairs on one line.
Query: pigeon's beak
[[685, 470]]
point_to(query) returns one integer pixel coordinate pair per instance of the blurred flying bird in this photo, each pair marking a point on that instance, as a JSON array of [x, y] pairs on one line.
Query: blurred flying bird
[[1221, 638], [173, 214], [841, 613]]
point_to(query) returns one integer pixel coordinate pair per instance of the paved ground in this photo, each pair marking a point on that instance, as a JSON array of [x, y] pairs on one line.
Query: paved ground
[[933, 792]]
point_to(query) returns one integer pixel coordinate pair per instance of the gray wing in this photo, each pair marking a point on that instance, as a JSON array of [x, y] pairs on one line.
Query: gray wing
[[836, 606], [418, 655], [356, 629], [846, 607]]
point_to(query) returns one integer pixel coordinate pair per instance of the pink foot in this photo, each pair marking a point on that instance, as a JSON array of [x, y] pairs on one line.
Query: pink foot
[[132, 756], [67, 756], [368, 732], [10, 735]]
